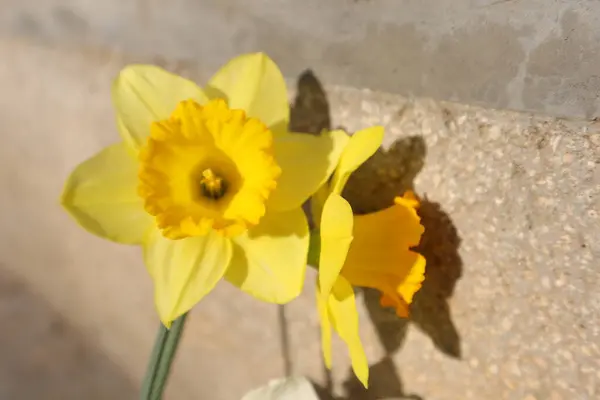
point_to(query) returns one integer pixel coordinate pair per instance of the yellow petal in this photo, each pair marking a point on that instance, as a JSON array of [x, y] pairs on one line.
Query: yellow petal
[[143, 94], [185, 270], [253, 83], [269, 260], [362, 145], [336, 236], [380, 255], [306, 162], [101, 195], [344, 318], [323, 308]]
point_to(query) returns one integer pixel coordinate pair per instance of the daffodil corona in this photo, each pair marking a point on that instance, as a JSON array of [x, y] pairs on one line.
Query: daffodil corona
[[208, 181], [207, 168], [380, 256], [371, 250]]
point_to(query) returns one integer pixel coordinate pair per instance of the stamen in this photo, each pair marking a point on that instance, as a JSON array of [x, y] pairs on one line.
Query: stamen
[[212, 186]]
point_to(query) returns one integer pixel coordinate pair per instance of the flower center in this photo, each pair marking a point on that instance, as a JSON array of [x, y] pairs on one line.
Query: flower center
[[212, 186], [207, 168]]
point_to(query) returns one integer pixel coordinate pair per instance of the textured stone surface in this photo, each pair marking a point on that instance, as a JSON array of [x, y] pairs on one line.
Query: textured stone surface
[[526, 54], [510, 308]]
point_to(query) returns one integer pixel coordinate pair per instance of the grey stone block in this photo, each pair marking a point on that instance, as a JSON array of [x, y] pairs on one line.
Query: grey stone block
[[528, 55]]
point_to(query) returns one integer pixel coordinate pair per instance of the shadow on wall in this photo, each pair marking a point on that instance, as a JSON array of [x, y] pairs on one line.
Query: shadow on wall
[[43, 357], [390, 173]]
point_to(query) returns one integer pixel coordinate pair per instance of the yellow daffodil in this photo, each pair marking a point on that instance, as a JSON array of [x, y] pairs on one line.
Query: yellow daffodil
[[208, 181], [371, 250]]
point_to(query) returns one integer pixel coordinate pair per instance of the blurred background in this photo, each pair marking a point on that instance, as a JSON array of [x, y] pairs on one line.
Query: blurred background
[[490, 112]]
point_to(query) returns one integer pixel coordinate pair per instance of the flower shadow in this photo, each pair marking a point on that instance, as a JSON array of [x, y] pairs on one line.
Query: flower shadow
[[310, 110], [389, 173]]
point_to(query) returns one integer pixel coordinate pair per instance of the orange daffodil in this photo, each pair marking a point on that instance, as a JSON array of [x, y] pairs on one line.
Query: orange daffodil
[[208, 181], [371, 250]]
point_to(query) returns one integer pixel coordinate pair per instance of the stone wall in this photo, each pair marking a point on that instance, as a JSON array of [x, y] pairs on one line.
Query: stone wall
[[510, 308], [518, 54]]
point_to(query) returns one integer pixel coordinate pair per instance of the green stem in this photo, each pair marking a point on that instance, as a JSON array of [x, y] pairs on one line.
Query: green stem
[[167, 358], [159, 344], [314, 248], [161, 359]]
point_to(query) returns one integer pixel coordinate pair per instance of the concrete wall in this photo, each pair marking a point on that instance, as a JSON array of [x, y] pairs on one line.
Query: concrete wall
[[537, 55], [510, 308]]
